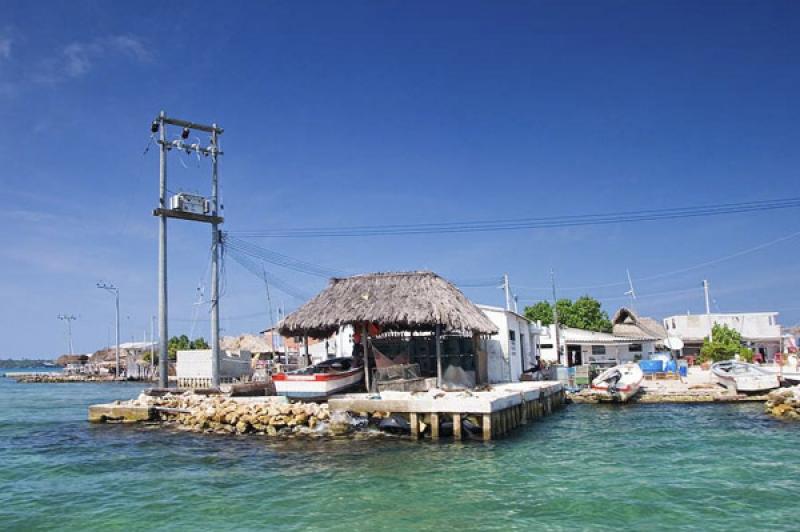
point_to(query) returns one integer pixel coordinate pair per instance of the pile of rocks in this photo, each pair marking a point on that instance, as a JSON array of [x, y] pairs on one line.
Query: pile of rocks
[[273, 416], [50, 378], [784, 403]]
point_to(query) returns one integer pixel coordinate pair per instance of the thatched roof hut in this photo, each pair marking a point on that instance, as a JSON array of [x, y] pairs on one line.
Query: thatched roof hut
[[626, 323], [410, 301]]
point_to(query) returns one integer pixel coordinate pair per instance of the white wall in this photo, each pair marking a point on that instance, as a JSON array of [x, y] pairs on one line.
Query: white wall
[[506, 356], [749, 325], [196, 364]]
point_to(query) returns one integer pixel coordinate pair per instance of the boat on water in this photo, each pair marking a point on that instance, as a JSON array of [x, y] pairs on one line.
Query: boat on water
[[744, 377], [319, 381], [619, 383]]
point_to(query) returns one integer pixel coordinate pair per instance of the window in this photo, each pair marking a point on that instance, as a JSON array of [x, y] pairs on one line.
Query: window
[[635, 348], [545, 346], [511, 336], [673, 323], [598, 350]]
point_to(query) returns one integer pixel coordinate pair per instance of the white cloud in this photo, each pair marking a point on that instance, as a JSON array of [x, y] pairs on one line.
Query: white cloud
[[77, 59], [5, 48]]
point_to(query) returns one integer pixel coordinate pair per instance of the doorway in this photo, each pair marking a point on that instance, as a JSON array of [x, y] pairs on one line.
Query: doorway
[[574, 356]]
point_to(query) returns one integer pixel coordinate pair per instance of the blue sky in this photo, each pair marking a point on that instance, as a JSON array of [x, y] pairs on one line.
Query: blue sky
[[359, 113]]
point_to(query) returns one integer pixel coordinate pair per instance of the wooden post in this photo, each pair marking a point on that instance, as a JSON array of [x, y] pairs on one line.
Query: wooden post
[[365, 348], [524, 413], [306, 358], [456, 427], [487, 427], [434, 426], [414, 422], [438, 356]]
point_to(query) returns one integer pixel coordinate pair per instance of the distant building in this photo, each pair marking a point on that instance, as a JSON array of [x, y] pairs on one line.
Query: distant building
[[760, 330], [581, 347], [628, 324], [514, 349]]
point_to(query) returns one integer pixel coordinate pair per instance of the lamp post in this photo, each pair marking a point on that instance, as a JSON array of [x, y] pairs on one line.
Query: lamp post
[[114, 290]]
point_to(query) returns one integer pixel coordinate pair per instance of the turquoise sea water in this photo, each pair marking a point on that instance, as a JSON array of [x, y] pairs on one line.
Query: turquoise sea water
[[710, 467]]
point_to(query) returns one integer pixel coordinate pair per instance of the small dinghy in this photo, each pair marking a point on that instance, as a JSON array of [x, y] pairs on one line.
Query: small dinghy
[[744, 377], [619, 383], [319, 381]]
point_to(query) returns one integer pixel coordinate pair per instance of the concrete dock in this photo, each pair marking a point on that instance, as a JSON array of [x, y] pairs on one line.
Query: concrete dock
[[500, 409]]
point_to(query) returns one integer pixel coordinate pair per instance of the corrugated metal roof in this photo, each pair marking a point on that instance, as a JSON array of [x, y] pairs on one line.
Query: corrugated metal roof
[[581, 336]]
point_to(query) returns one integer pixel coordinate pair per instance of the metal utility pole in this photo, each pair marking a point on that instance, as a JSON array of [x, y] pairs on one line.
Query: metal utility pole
[[214, 261], [69, 319], [114, 290], [708, 312], [163, 362], [185, 207], [555, 316], [507, 290]]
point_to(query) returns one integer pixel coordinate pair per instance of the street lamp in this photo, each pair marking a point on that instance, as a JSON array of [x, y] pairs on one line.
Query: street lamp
[[114, 290]]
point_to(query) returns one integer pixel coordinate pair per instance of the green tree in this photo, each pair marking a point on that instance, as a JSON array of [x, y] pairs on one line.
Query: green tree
[[726, 345], [583, 313], [541, 311]]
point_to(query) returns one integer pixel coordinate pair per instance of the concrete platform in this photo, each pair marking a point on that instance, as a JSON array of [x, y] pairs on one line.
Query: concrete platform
[[110, 413], [502, 396], [503, 408]]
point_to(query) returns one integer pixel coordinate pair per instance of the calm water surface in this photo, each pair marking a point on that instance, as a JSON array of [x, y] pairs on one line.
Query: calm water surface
[[649, 467]]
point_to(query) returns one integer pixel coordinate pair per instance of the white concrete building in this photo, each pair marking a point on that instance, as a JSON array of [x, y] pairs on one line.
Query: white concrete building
[[760, 330], [193, 367], [514, 349], [582, 347]]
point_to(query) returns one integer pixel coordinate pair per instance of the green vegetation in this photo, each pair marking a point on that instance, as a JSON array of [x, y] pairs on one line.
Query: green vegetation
[[583, 313], [180, 343], [726, 345]]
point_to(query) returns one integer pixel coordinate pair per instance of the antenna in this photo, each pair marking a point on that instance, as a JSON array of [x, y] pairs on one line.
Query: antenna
[[632, 291], [69, 319]]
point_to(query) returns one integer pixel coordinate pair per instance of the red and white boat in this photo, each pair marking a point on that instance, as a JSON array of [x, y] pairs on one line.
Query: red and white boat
[[619, 383], [319, 381]]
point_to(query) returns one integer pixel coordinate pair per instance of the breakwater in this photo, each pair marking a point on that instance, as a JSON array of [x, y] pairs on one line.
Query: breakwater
[[784, 403], [485, 414]]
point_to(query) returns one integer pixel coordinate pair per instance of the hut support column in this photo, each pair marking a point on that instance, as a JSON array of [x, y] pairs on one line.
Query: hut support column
[[306, 359], [438, 356], [414, 422], [365, 349]]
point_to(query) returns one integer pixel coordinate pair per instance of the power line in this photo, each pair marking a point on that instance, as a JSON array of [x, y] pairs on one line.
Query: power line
[[527, 223], [279, 259], [248, 264], [678, 271]]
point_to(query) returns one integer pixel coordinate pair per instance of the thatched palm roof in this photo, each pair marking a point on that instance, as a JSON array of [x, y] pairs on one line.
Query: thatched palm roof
[[627, 323], [411, 301]]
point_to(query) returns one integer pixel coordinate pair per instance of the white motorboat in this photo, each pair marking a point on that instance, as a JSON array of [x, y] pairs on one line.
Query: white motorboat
[[619, 383], [744, 377], [319, 381]]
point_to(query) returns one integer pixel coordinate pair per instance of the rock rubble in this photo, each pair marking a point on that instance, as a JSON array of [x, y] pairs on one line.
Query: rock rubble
[[784, 403]]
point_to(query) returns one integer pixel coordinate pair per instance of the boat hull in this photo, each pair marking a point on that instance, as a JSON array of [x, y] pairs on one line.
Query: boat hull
[[744, 378], [628, 385], [316, 385]]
